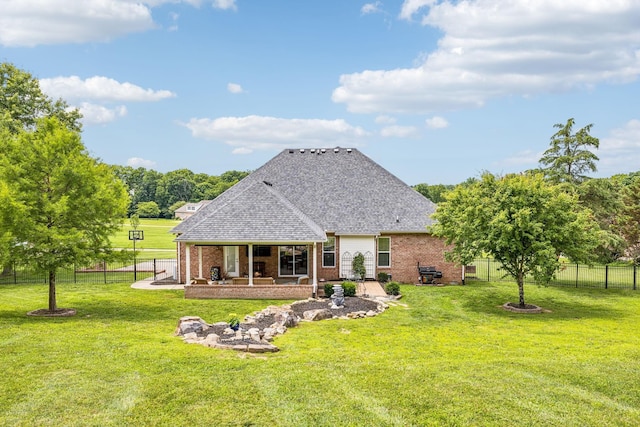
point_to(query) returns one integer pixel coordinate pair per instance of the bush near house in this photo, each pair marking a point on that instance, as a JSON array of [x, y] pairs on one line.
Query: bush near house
[[392, 288]]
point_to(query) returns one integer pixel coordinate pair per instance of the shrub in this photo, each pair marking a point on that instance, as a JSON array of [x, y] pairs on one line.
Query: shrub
[[328, 289], [383, 277], [358, 266], [392, 288], [349, 289]]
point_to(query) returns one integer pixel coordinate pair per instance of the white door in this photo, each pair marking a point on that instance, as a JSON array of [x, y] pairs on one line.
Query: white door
[[349, 247], [231, 261]]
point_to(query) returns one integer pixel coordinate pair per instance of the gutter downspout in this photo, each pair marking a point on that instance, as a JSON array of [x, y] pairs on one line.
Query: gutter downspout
[[315, 269]]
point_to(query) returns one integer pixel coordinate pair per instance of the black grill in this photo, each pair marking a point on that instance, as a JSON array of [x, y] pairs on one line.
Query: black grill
[[428, 275]]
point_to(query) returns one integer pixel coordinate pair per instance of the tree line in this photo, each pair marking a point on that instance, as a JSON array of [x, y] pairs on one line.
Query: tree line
[[154, 194]]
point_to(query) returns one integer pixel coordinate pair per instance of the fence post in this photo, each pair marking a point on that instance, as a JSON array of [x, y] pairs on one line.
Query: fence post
[[15, 274], [634, 277], [104, 263], [488, 269], [606, 276], [154, 269], [577, 273], [75, 273]]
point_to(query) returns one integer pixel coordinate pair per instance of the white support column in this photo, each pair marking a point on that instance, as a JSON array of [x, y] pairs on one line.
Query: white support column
[[187, 257], [315, 268], [250, 249], [178, 267], [200, 261]]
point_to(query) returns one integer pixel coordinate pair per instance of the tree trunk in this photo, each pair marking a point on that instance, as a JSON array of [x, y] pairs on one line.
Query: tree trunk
[[521, 289], [52, 291]]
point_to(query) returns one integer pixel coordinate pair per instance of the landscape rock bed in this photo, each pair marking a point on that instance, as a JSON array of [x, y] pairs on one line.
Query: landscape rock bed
[[258, 330]]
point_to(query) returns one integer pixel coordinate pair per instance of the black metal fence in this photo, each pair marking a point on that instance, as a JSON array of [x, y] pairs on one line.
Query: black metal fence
[[573, 275], [98, 272]]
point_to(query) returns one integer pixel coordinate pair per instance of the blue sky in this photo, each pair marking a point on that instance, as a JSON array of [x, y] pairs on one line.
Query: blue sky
[[434, 91]]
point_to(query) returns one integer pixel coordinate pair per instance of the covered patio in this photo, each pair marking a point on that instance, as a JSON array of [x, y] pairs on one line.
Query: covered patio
[[257, 239]]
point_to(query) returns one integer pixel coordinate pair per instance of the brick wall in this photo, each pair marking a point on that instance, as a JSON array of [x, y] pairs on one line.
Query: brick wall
[[248, 292], [406, 251], [409, 249]]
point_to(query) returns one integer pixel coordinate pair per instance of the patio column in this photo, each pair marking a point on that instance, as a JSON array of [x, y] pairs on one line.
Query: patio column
[[315, 268], [200, 261], [187, 257], [250, 249]]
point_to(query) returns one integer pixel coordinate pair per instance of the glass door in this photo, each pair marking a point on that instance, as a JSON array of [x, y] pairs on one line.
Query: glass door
[[294, 261], [231, 261]]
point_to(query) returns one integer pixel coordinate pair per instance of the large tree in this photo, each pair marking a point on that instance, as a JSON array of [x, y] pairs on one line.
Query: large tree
[[570, 155], [22, 102], [629, 221], [71, 203], [524, 222]]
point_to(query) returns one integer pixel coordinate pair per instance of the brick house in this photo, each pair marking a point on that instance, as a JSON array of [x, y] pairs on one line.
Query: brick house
[[302, 217], [188, 209]]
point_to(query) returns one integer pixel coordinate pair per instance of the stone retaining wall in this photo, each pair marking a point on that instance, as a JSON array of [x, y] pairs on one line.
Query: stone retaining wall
[[248, 292]]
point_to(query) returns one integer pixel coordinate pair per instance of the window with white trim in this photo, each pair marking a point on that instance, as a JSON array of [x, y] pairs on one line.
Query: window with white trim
[[329, 252], [384, 251]]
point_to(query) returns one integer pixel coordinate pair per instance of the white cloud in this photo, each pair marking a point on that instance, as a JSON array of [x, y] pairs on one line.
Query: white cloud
[[34, 22], [371, 8], [138, 162], [224, 4], [234, 88], [409, 7], [38, 22], [98, 114], [398, 131], [251, 133], [497, 48], [620, 151], [102, 88], [385, 120], [436, 122]]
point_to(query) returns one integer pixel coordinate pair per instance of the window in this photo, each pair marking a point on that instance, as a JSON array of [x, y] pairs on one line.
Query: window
[[329, 252], [293, 260], [259, 251], [384, 252]]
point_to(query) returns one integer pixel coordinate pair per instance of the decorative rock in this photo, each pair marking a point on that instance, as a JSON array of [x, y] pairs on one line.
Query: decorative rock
[[254, 335], [320, 314]]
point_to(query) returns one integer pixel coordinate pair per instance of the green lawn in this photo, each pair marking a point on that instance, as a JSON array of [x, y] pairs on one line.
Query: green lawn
[[451, 357], [156, 235]]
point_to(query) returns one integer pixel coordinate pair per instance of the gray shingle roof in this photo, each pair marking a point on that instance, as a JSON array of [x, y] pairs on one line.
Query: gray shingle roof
[[333, 190], [257, 213]]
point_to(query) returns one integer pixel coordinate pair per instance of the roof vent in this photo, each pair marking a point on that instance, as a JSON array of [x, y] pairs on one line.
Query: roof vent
[[302, 150], [268, 183], [397, 218], [336, 150], [290, 151], [349, 150], [313, 150], [323, 150]]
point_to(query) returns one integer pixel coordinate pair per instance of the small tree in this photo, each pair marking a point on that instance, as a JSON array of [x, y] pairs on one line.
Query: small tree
[[359, 270], [70, 203], [522, 221], [148, 210]]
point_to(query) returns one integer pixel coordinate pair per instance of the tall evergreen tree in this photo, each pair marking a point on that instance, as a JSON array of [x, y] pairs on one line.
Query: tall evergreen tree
[[570, 155]]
